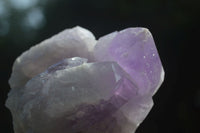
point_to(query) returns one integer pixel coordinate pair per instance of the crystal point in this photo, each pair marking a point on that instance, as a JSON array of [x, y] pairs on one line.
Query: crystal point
[[135, 51]]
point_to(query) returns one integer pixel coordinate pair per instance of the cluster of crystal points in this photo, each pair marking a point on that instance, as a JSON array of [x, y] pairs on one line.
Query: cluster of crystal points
[[73, 83]]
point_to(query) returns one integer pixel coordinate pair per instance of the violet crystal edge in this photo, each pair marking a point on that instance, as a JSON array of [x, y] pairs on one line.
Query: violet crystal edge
[[73, 83]]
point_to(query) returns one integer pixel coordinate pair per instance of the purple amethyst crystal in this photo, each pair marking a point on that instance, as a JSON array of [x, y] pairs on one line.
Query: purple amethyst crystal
[[72, 83], [135, 51]]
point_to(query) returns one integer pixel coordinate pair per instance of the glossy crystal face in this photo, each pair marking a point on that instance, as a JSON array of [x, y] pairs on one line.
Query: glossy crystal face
[[73, 83]]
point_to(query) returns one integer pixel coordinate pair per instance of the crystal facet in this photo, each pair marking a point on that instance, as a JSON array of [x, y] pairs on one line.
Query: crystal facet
[[135, 51], [72, 83]]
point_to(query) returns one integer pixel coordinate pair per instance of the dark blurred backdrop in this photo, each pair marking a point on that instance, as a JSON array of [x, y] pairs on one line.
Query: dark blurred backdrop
[[173, 23]]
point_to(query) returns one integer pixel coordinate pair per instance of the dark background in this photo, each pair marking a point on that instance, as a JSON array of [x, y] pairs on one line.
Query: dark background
[[173, 23]]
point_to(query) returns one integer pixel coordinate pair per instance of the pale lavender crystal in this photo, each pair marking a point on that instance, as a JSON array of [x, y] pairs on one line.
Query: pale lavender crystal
[[135, 51], [56, 90], [93, 106]]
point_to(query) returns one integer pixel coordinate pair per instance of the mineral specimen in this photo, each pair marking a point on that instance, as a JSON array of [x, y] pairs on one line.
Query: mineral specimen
[[72, 83]]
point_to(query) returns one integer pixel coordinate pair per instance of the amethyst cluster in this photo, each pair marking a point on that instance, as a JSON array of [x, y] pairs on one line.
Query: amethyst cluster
[[73, 83]]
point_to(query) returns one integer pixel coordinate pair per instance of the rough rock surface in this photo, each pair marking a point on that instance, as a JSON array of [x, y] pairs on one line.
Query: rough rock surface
[[75, 42], [72, 83]]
